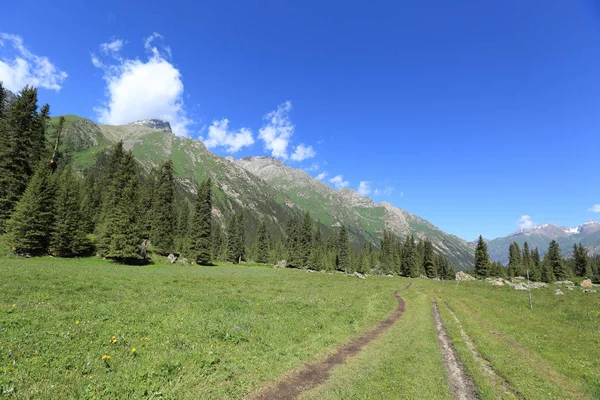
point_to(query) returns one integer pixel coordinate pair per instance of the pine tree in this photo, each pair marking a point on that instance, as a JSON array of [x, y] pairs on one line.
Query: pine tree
[[241, 237], [582, 265], [163, 217], [482, 259], [555, 261], [29, 228], [218, 241], [306, 240], [200, 232], [262, 255], [316, 260], [442, 266], [536, 274], [343, 251], [429, 260], [547, 271], [68, 236], [121, 237], [232, 239], [20, 150], [410, 266], [292, 242], [514, 260], [387, 253], [183, 227]]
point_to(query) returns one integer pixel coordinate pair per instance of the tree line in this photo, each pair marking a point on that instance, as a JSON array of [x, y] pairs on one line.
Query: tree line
[[553, 267]]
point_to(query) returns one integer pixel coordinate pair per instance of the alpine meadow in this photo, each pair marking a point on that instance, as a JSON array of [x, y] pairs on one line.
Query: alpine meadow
[[152, 248]]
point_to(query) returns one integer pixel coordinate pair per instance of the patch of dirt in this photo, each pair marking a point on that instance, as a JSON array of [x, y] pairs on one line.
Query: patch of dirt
[[317, 373], [498, 379], [461, 385]]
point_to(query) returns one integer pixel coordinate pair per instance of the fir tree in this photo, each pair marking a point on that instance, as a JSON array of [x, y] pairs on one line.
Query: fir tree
[[292, 241], [29, 228], [241, 237], [482, 259], [200, 239], [163, 217], [183, 227], [514, 260], [429, 260], [20, 150], [527, 259], [547, 272], [343, 251], [582, 265], [306, 240], [536, 266], [555, 261], [217, 242], [316, 260], [68, 236], [442, 266], [262, 255], [410, 266], [232, 239]]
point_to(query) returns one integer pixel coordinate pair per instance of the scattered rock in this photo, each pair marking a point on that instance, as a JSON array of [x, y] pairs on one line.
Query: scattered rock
[[520, 286], [497, 283], [590, 291], [463, 276], [281, 263], [390, 275], [586, 283], [537, 285], [570, 287], [183, 261], [559, 292], [564, 283], [172, 258], [423, 276], [359, 275]]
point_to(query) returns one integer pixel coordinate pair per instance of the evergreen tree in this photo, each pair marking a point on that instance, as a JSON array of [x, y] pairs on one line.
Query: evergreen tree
[[120, 236], [536, 274], [387, 253], [164, 219], [582, 265], [68, 236], [514, 260], [482, 259], [429, 260], [555, 261], [201, 229], [547, 271], [183, 227], [232, 239], [20, 150], [292, 241], [262, 255], [527, 259], [241, 238], [410, 266], [343, 251], [316, 260], [28, 230], [442, 267], [306, 240]]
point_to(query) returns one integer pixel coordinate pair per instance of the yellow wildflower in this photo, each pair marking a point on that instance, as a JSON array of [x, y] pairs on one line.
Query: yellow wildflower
[[133, 349], [106, 357], [14, 305], [114, 337], [114, 340], [77, 322]]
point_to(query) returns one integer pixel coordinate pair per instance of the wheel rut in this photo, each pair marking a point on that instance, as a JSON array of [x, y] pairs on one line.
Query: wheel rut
[[316, 373], [461, 385]]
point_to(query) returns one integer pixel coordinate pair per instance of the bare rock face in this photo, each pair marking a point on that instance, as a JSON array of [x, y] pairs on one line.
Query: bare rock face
[[559, 292], [463, 276], [9, 98], [586, 283], [155, 124]]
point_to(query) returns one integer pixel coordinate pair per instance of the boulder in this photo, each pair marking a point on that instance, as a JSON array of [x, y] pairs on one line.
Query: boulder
[[183, 261], [497, 283], [586, 283], [172, 258], [590, 291], [537, 285], [564, 283], [463, 276], [559, 292], [281, 263], [359, 275]]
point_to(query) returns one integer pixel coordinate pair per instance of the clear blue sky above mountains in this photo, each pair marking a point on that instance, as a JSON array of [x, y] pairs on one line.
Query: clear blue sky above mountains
[[470, 114]]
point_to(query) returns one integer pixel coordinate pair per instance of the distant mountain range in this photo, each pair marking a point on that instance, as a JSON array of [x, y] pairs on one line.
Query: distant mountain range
[[266, 188], [588, 234]]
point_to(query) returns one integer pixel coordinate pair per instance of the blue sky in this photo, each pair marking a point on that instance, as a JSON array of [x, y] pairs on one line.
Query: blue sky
[[470, 114]]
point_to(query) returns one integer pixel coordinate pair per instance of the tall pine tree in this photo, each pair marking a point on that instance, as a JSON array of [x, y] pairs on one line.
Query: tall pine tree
[[200, 232], [429, 260], [262, 254], [163, 217], [482, 259], [581, 265], [343, 251]]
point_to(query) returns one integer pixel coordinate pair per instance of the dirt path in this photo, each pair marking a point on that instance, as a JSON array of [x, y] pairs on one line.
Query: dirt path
[[498, 379], [461, 385], [317, 373]]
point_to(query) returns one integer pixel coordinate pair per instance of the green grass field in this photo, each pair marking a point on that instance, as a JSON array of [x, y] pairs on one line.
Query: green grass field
[[225, 331]]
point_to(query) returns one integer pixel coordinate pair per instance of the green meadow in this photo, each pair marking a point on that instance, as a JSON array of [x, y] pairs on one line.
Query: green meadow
[[89, 328]]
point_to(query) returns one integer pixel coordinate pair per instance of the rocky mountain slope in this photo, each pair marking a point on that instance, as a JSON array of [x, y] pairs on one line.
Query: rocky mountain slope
[[361, 215], [266, 188], [588, 234]]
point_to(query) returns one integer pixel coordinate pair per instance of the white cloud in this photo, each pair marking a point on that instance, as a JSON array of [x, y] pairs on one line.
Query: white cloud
[[364, 188], [313, 167], [385, 192], [139, 89], [277, 132], [302, 152], [595, 208], [525, 222], [219, 135], [321, 176], [339, 182], [19, 67], [112, 47]]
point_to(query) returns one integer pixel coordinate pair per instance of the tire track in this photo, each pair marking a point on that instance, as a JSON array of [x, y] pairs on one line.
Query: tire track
[[317, 373]]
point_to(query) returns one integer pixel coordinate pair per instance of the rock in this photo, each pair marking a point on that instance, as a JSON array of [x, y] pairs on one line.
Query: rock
[[559, 292], [281, 263], [564, 283], [156, 124], [463, 276], [537, 285], [590, 291], [570, 288], [390, 275], [423, 276], [520, 286], [586, 283], [172, 258], [359, 275], [497, 283], [183, 261]]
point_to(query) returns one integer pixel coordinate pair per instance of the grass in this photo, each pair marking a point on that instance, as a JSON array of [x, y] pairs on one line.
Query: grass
[[199, 332], [552, 351]]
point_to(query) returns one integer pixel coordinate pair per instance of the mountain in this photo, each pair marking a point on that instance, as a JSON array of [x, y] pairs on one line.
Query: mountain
[[361, 215], [588, 234], [264, 187], [9, 98]]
